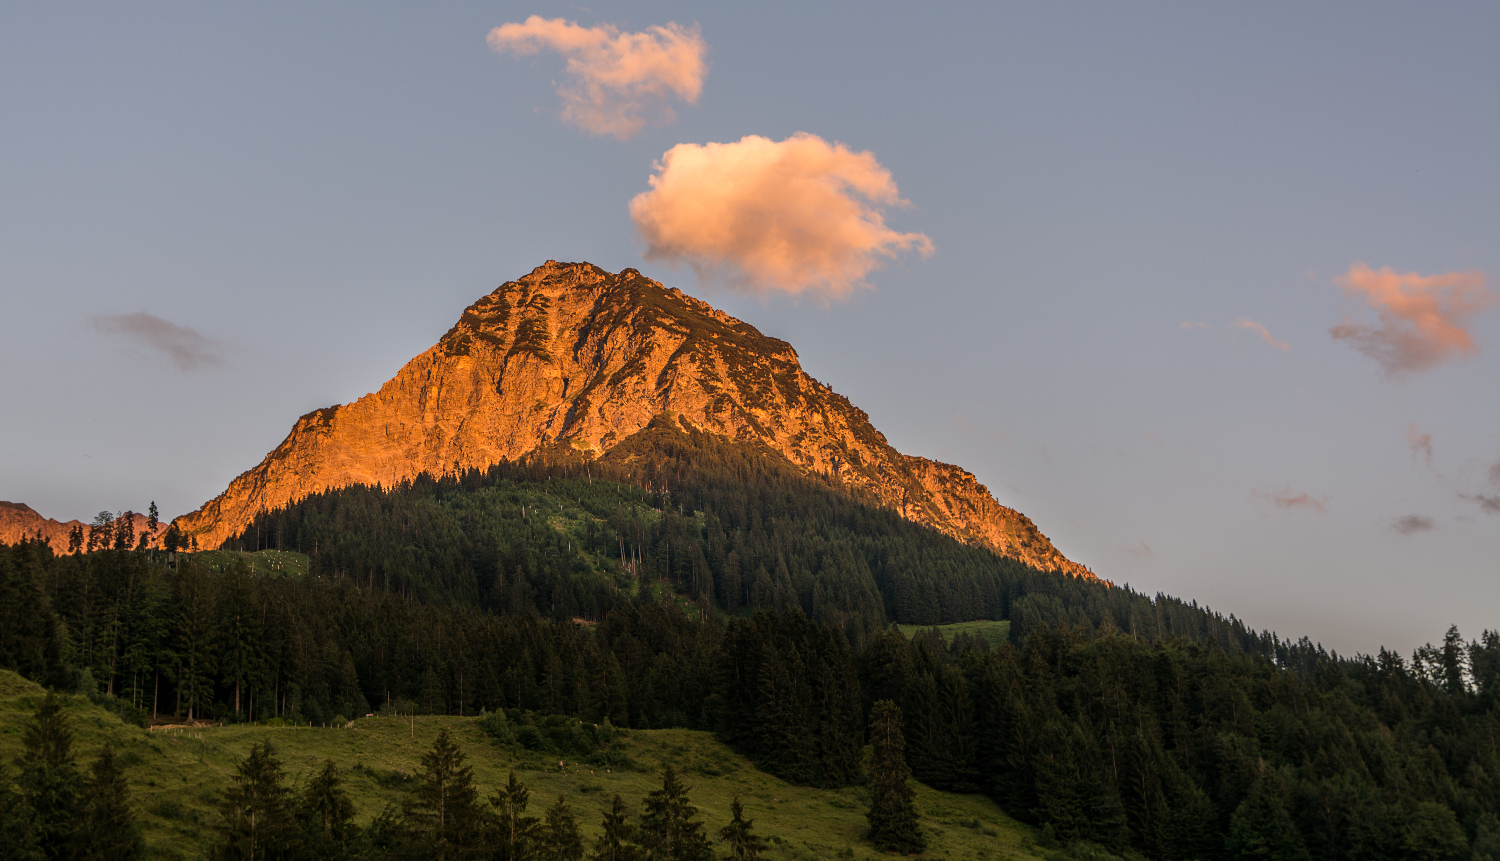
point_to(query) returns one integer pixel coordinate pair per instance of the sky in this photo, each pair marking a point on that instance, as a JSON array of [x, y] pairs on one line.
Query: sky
[[1208, 291]]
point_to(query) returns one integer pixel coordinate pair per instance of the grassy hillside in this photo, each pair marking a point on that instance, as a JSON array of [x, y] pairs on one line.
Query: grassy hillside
[[993, 633], [176, 777], [276, 563]]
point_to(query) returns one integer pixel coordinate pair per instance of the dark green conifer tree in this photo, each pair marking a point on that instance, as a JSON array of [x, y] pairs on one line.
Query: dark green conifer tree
[[744, 843], [327, 815], [50, 783], [615, 834], [560, 840], [109, 831], [517, 832], [669, 828], [445, 819], [17, 835], [1261, 829], [893, 810], [257, 821]]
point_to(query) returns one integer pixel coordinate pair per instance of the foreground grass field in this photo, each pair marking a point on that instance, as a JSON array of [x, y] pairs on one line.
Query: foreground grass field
[[177, 776], [993, 633]]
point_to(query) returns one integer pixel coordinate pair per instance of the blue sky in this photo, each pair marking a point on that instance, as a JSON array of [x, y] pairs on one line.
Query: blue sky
[[319, 190]]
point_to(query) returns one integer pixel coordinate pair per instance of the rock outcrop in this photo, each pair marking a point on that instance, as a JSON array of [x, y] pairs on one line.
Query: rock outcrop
[[573, 356]]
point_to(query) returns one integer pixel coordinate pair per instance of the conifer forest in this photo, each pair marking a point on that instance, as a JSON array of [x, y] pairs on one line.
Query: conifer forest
[[683, 581]]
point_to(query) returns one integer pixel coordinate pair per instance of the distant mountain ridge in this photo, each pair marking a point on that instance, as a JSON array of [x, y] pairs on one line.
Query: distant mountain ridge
[[575, 358], [18, 521]]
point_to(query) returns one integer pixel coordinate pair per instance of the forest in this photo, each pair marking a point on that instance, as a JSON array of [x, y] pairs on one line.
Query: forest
[[684, 581]]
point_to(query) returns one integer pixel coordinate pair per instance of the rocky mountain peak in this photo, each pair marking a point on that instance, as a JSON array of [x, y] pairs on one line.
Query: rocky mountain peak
[[571, 355]]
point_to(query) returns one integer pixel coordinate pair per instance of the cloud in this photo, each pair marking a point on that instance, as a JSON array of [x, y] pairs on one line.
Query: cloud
[[187, 349], [1286, 498], [1411, 524], [796, 216], [1495, 472], [1141, 550], [1488, 503], [615, 82], [1420, 443], [1423, 318], [1262, 331], [1194, 324]]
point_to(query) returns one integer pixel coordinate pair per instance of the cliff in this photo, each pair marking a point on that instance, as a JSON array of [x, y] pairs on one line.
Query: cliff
[[572, 356]]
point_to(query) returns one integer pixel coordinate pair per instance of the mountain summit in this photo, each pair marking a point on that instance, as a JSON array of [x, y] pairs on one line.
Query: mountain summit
[[574, 358]]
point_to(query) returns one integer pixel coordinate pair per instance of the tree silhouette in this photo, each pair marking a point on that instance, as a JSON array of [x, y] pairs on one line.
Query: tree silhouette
[[445, 817], [616, 831], [256, 820], [517, 831], [744, 844], [893, 811], [109, 829], [668, 829], [327, 814], [560, 838], [50, 782]]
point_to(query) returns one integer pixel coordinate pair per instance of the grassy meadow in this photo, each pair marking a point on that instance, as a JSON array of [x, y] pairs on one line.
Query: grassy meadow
[[177, 775]]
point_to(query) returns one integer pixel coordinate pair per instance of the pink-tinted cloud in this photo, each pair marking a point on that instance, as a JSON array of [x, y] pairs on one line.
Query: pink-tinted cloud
[[1262, 331], [1289, 499], [796, 216], [616, 82], [1411, 524], [1420, 443], [1424, 319], [186, 348], [1141, 550], [1193, 324]]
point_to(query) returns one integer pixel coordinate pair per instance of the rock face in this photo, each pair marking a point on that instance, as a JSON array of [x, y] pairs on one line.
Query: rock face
[[573, 356], [18, 521]]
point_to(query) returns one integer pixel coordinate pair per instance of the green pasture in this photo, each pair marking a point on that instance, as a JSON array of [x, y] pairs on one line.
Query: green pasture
[[177, 776]]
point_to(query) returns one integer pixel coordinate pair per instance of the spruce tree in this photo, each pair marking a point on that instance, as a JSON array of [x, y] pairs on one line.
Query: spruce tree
[[669, 831], [744, 844], [517, 831], [17, 835], [615, 833], [893, 810], [560, 840], [50, 783], [327, 814], [109, 830], [256, 820], [445, 818]]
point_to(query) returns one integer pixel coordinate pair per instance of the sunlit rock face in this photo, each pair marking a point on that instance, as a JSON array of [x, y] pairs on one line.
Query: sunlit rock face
[[572, 356]]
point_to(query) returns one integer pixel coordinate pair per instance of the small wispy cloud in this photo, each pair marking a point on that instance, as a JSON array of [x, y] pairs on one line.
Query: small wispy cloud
[[1411, 524], [1289, 499], [1488, 503], [616, 82], [1420, 443], [1424, 319], [1262, 331], [1495, 473], [1140, 550], [1194, 324], [184, 347]]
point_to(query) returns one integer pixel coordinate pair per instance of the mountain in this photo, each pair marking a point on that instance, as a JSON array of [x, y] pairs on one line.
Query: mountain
[[18, 521], [570, 358]]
